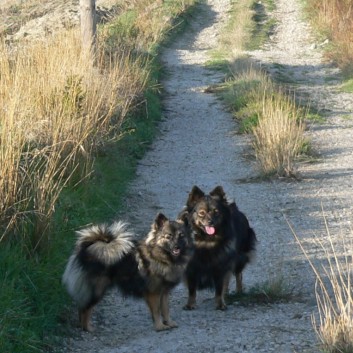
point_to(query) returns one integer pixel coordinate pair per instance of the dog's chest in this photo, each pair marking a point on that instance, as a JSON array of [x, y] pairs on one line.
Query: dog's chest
[[210, 254], [159, 273], [167, 272]]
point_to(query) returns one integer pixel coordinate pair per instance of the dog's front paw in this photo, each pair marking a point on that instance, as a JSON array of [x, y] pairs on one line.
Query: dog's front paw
[[88, 327], [189, 307], [161, 327], [221, 306], [171, 323]]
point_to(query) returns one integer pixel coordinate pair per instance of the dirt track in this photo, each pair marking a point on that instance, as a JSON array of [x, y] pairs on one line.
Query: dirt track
[[198, 145]]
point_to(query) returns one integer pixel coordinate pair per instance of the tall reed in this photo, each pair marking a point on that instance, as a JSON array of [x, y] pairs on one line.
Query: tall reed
[[334, 18], [333, 290], [56, 108], [279, 134]]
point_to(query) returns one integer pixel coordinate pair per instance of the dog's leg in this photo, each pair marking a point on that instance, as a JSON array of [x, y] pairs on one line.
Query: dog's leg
[[239, 282], [226, 283], [84, 314], [153, 301], [84, 317], [191, 303], [219, 287], [165, 310]]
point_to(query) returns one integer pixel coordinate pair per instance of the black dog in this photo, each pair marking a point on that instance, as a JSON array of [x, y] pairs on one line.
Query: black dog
[[223, 243]]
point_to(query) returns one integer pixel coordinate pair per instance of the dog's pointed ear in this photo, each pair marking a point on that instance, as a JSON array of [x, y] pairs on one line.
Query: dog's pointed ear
[[219, 192], [159, 221], [195, 195], [183, 218]]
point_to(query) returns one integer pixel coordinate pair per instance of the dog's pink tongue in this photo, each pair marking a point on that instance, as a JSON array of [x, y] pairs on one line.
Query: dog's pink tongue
[[210, 230]]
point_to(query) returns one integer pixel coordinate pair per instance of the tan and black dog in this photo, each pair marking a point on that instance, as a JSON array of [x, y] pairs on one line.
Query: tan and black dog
[[107, 256]]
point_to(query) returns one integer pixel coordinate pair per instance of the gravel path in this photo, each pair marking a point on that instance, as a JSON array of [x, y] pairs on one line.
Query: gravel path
[[198, 145]]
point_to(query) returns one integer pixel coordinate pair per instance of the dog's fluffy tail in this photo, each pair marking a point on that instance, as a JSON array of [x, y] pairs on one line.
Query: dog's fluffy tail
[[98, 248], [105, 244]]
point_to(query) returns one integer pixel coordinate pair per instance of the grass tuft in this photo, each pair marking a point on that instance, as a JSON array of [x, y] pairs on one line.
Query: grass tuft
[[333, 290], [279, 135], [334, 20], [275, 290]]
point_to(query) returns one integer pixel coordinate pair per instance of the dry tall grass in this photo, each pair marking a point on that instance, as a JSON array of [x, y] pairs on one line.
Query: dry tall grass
[[333, 292], [56, 108], [279, 134], [237, 32], [335, 19], [150, 28]]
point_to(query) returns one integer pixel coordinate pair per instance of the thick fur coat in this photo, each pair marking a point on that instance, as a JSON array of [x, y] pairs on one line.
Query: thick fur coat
[[223, 240], [109, 255]]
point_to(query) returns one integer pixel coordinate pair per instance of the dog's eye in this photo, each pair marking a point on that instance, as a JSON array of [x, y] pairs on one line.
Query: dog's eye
[[168, 236], [202, 213]]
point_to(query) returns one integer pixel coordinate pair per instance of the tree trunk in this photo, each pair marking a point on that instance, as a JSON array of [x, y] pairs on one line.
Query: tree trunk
[[88, 27]]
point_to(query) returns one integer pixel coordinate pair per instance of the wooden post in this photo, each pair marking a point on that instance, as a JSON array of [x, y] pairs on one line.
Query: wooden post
[[88, 27]]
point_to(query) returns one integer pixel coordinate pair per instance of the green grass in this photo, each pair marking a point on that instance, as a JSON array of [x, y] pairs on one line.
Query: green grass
[[347, 86], [238, 95], [313, 117], [248, 123], [269, 292], [28, 290], [263, 24], [218, 62]]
